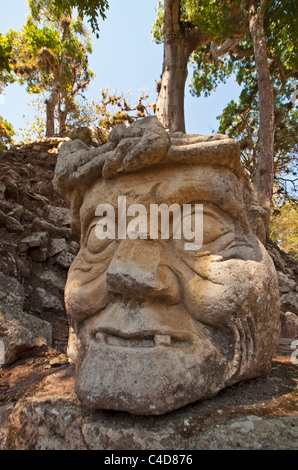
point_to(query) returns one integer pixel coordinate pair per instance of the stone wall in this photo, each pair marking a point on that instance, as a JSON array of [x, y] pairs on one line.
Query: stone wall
[[36, 249], [287, 272]]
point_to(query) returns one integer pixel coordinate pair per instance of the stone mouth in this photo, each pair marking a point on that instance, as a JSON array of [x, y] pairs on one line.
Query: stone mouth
[[141, 340]]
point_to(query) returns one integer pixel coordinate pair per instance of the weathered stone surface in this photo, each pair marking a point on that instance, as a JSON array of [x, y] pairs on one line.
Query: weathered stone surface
[[90, 135], [20, 333], [157, 326], [10, 223], [57, 245], [37, 232], [287, 271], [53, 230], [286, 283], [290, 300], [10, 179], [49, 301], [51, 278], [46, 142], [60, 216], [37, 239], [289, 325], [2, 189], [64, 259], [251, 433], [257, 415], [38, 254]]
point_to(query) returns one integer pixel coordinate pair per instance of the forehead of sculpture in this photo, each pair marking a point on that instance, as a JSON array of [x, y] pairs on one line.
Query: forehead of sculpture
[[169, 185]]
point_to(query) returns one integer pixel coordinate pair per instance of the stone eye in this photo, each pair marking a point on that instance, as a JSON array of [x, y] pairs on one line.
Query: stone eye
[[213, 229], [93, 243]]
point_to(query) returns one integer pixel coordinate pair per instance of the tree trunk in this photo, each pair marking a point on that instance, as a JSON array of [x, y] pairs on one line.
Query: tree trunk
[[179, 42], [54, 99], [62, 120], [265, 163], [50, 112], [170, 102]]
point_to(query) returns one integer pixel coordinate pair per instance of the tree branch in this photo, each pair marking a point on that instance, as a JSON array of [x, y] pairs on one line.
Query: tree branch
[[195, 36], [228, 45]]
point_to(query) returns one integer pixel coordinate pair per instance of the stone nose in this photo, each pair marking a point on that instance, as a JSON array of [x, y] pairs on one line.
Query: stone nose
[[137, 272]]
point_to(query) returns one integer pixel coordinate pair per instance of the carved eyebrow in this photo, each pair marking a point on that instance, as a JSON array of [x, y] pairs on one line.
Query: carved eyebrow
[[225, 198], [187, 192]]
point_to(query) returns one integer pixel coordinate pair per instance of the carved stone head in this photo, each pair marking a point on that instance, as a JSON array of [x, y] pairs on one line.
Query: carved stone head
[[155, 326]]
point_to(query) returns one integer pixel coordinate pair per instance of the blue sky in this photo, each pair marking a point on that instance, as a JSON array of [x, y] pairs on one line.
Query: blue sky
[[124, 59]]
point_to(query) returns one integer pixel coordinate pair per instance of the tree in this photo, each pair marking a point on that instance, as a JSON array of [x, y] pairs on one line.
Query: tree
[[180, 39], [284, 228], [233, 28], [265, 119], [6, 129], [5, 57], [111, 109], [51, 57], [184, 26], [6, 133], [86, 8], [265, 168]]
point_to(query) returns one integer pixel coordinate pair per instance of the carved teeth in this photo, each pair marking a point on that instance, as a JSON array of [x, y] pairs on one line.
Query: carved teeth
[[159, 340], [162, 340]]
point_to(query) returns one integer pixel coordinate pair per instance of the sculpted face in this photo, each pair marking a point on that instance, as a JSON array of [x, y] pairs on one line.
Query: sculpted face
[[155, 326]]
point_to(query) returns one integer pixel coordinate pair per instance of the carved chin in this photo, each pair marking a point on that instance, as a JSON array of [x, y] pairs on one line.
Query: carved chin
[[152, 377]]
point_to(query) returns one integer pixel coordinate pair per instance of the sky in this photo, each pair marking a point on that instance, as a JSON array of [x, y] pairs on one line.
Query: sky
[[125, 58]]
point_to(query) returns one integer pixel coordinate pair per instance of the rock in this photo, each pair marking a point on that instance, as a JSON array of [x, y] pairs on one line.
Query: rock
[[286, 283], [251, 433], [2, 189], [11, 294], [74, 247], [21, 334], [248, 416], [36, 230], [10, 223], [51, 279], [5, 411], [65, 259], [285, 346], [60, 216], [36, 240], [90, 135], [38, 254], [289, 301], [58, 361], [17, 213], [46, 142], [24, 335], [11, 188], [289, 325], [57, 245], [49, 302], [50, 228]]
